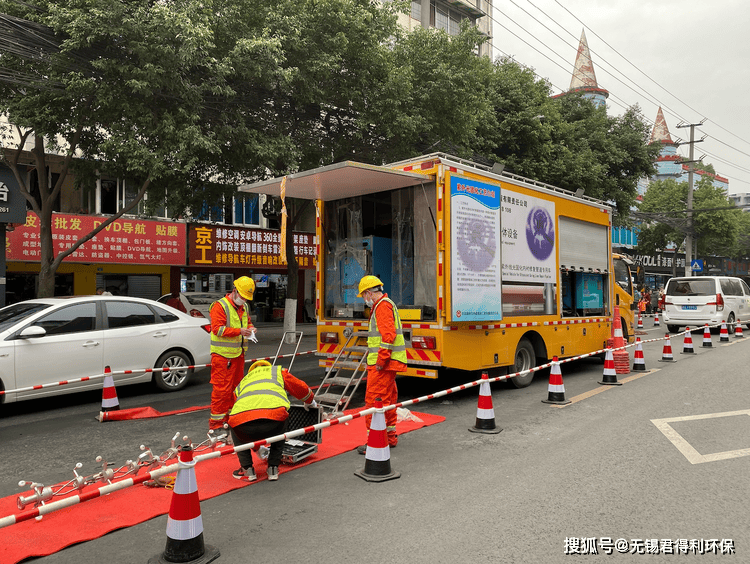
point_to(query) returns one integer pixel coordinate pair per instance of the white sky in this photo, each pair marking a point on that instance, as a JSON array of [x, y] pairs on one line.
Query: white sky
[[691, 58]]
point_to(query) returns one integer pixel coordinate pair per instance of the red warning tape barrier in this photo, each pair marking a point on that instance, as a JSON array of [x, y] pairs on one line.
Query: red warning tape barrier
[[134, 371]]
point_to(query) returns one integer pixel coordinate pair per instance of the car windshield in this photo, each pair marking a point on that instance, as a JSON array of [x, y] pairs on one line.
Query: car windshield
[[18, 312], [203, 299], [688, 287]]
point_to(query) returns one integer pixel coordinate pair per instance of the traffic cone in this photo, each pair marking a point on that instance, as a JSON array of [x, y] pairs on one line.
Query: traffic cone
[[485, 422], [666, 355], [556, 389], [640, 321], [639, 364], [184, 524], [620, 354], [707, 337], [687, 343], [109, 392], [724, 335], [738, 329], [610, 374], [378, 455], [656, 319]]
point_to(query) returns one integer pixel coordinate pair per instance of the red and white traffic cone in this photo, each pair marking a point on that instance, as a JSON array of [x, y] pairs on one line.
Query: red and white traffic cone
[[666, 355], [184, 524], [656, 319], [556, 389], [738, 329], [724, 334], [109, 394], [485, 422], [707, 337], [640, 321], [639, 364], [620, 353], [378, 454], [687, 343], [610, 374]]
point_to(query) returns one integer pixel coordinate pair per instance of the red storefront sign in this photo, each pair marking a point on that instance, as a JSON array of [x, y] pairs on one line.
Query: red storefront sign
[[210, 245], [125, 241]]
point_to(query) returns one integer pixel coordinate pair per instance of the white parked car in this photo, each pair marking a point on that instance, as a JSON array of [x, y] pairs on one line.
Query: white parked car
[[53, 339], [696, 300], [196, 304]]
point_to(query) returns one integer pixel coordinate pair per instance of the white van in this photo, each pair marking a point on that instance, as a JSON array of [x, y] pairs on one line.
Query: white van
[[697, 300]]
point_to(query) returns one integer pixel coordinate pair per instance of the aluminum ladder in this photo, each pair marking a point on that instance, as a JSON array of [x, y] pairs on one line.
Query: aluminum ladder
[[344, 376]]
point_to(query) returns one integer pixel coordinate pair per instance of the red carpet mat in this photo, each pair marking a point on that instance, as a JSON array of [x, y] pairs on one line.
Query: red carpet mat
[[95, 518]]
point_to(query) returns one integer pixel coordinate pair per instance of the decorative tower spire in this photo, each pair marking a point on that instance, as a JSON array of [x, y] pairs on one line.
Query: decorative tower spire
[[583, 74], [660, 132], [584, 77]]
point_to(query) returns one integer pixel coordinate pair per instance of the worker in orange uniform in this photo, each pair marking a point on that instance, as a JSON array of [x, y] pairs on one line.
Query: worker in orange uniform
[[260, 410], [231, 330], [386, 353]]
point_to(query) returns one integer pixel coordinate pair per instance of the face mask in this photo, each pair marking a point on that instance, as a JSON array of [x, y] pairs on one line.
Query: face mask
[[239, 301], [369, 303]]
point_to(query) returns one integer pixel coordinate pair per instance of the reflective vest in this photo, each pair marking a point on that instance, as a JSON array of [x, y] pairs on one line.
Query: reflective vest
[[375, 343], [230, 347], [263, 388]]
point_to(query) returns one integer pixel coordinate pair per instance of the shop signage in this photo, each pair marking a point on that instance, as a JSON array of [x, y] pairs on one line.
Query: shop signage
[[125, 241], [12, 203], [210, 245]]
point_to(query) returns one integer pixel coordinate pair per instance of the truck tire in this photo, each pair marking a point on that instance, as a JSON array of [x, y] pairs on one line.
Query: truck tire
[[525, 358], [673, 328]]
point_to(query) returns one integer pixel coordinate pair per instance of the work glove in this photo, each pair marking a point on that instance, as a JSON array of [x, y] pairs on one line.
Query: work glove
[[253, 338], [312, 404]]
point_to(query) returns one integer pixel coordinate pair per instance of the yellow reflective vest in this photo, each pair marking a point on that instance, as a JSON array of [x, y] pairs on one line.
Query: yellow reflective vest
[[375, 342], [263, 388], [230, 347]]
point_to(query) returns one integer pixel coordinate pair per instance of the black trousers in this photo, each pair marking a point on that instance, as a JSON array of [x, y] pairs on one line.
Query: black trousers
[[254, 431]]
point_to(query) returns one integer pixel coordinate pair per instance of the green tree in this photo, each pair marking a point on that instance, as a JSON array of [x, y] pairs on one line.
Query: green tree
[[133, 89], [716, 222]]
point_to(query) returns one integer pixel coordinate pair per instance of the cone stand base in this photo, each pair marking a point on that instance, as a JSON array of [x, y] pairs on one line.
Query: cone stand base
[[615, 383], [557, 402], [209, 555], [667, 360], [493, 431], [374, 478]]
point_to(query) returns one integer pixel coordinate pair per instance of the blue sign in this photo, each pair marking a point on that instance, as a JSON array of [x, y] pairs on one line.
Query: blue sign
[[696, 265]]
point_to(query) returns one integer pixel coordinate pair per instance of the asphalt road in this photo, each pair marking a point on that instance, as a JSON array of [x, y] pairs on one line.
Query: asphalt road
[[606, 466]]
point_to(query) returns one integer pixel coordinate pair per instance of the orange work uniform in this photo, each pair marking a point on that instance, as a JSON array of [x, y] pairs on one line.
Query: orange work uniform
[[381, 378], [226, 373]]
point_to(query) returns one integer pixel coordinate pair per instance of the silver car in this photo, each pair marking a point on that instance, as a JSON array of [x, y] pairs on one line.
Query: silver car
[[49, 340], [697, 300]]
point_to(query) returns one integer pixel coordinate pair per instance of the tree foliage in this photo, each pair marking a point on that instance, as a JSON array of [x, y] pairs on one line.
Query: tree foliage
[[717, 223]]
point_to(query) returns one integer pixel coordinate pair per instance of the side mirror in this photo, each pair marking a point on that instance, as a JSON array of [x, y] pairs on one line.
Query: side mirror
[[32, 332]]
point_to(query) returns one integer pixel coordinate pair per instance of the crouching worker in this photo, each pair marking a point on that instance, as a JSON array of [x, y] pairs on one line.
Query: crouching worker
[[261, 409]]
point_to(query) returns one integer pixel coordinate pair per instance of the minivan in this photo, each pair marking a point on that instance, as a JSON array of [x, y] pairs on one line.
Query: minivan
[[697, 300]]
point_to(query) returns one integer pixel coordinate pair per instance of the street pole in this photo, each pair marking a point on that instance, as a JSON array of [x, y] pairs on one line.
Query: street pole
[[689, 234]]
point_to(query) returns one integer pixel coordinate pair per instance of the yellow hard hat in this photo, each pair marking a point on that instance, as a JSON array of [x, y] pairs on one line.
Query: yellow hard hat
[[368, 282], [258, 364], [245, 287]]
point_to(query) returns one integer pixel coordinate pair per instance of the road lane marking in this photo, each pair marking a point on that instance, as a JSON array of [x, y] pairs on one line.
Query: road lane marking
[[602, 388], [693, 456]]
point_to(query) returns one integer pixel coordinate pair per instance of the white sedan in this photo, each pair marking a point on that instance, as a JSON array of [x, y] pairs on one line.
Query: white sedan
[[49, 340]]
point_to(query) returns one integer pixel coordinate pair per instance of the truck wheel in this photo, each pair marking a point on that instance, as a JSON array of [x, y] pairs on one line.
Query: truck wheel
[[525, 358], [174, 379]]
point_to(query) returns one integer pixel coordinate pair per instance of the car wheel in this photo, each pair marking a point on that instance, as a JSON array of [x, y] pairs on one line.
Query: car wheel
[[730, 323], [525, 358], [173, 379], [673, 328]]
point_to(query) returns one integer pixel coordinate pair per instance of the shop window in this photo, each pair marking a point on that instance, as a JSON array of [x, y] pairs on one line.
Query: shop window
[[246, 209], [416, 9], [108, 196]]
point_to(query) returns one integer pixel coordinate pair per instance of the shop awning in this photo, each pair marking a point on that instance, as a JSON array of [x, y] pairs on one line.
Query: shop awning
[[337, 181]]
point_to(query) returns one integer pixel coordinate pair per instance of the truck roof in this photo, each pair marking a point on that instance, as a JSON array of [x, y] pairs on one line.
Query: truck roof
[[340, 180]]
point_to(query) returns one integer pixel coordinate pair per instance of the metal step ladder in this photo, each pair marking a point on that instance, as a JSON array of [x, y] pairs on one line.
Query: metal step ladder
[[344, 376]]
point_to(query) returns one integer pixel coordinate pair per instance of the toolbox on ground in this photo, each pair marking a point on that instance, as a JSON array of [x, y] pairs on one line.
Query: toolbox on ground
[[305, 445]]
